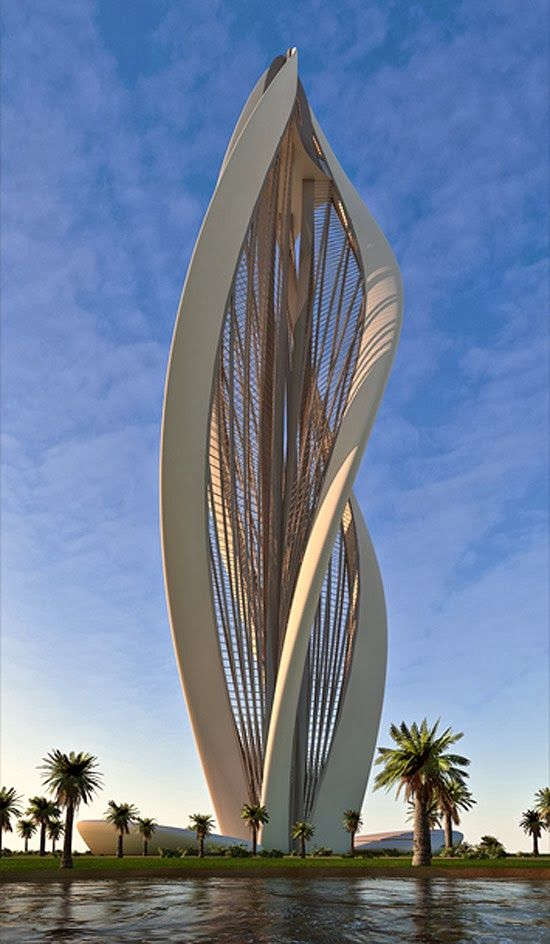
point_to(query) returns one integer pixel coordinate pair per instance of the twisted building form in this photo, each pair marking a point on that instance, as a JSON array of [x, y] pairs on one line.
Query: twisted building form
[[284, 339]]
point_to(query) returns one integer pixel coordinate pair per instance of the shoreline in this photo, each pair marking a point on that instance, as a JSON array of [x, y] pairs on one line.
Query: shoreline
[[19, 870]]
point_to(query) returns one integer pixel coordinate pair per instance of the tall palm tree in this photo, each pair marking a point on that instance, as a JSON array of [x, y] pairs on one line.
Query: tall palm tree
[[9, 806], [352, 823], [202, 824], [432, 812], [72, 779], [453, 798], [303, 831], [55, 830], [256, 816], [146, 827], [542, 804], [418, 765], [122, 816], [42, 811], [533, 824]]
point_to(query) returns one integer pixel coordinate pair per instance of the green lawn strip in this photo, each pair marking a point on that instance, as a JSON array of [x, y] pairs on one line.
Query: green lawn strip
[[33, 867]]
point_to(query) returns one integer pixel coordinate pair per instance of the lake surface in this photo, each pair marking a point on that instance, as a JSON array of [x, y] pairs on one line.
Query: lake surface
[[278, 911]]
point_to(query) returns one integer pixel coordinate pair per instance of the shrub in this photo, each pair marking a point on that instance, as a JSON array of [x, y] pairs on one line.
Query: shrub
[[271, 854], [488, 848], [381, 853], [211, 849], [169, 853], [189, 851], [322, 851], [458, 851], [491, 848], [238, 852]]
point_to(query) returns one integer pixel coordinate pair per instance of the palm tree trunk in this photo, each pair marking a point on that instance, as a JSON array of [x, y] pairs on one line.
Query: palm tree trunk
[[145, 847], [67, 857], [201, 847], [303, 852], [422, 847], [42, 839], [120, 846], [535, 844], [352, 843], [1, 847], [53, 846], [26, 844], [448, 826], [254, 840]]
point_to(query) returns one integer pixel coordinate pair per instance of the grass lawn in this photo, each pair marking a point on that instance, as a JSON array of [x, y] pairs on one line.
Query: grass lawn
[[33, 868]]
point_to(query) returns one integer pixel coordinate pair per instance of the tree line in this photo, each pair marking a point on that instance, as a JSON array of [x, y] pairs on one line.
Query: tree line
[[421, 765]]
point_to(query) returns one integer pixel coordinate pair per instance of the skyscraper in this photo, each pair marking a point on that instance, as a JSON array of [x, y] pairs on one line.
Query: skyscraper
[[287, 327]]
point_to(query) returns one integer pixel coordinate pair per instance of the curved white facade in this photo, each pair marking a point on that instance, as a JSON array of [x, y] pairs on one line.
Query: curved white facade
[[402, 841], [101, 838], [287, 327]]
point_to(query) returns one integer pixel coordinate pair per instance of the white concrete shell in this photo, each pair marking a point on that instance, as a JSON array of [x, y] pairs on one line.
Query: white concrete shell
[[402, 840], [276, 116], [101, 838]]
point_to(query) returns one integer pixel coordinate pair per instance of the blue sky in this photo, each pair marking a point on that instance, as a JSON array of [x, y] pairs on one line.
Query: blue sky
[[116, 116]]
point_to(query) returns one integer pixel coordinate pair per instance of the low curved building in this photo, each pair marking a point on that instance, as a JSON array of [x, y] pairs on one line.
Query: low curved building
[[401, 840], [101, 838]]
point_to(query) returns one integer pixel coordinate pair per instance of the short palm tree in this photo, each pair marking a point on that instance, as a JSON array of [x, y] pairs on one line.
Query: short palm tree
[[303, 831], [202, 824], [533, 824], [256, 816], [542, 804], [352, 823], [418, 765], [9, 806], [122, 816], [146, 827], [72, 779], [42, 811], [26, 829], [453, 798], [55, 830]]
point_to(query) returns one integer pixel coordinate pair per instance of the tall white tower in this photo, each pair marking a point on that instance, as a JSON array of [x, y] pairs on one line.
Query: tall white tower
[[284, 339]]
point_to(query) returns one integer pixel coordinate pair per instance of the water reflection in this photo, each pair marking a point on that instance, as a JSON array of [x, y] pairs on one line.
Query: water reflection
[[278, 911]]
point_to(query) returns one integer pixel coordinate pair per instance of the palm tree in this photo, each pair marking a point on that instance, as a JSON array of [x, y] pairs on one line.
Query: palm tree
[[146, 827], [42, 811], [55, 830], [256, 816], [72, 779], [303, 831], [9, 806], [202, 824], [454, 797], [26, 829], [432, 812], [418, 765], [542, 804], [532, 824], [121, 815], [352, 823]]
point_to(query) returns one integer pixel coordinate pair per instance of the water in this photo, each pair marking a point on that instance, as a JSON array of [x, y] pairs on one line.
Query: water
[[278, 911]]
